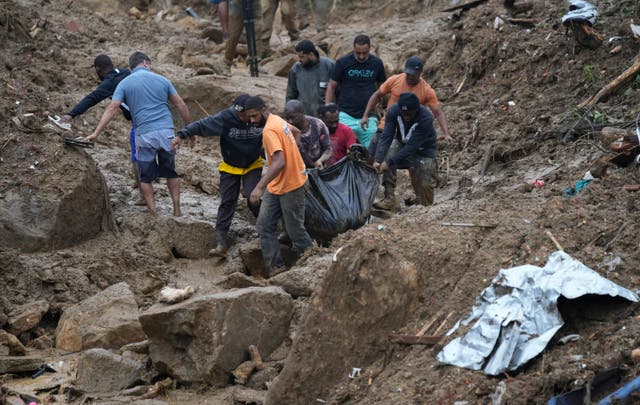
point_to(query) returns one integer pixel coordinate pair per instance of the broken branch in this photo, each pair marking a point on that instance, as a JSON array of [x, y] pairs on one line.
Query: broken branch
[[554, 240], [614, 85]]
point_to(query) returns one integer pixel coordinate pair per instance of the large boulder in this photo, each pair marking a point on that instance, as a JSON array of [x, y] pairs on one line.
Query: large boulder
[[107, 320], [205, 338], [365, 295], [64, 205]]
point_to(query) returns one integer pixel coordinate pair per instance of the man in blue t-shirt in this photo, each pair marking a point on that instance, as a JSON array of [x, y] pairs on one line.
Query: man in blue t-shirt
[[356, 76], [147, 95], [109, 77]]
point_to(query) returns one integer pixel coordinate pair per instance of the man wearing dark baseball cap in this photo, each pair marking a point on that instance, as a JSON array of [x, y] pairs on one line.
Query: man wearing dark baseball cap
[[408, 141], [408, 81], [240, 145], [413, 65]]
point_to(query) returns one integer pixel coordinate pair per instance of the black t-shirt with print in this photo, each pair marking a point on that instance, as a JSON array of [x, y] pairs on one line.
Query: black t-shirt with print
[[357, 82]]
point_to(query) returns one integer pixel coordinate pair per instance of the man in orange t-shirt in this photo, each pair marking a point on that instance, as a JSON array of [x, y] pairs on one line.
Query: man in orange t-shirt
[[281, 186], [408, 82]]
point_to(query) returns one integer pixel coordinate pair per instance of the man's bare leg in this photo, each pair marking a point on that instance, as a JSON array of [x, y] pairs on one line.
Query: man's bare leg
[[174, 190], [136, 183], [147, 193], [223, 15]]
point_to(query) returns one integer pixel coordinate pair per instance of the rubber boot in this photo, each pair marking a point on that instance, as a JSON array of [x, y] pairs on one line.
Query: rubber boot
[[222, 247], [387, 203]]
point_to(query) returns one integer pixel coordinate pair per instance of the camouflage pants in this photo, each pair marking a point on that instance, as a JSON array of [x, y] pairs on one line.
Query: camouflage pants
[[422, 171], [269, 7]]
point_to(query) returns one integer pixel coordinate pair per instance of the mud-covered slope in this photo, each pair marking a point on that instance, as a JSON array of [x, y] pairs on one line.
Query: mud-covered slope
[[509, 92]]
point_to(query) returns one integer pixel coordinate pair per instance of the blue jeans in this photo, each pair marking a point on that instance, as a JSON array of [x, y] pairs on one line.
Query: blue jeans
[[289, 207]]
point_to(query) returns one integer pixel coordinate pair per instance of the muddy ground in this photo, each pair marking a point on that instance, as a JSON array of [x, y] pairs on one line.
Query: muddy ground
[[509, 92]]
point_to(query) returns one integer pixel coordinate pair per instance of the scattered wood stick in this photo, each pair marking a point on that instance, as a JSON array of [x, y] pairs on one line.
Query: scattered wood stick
[[201, 107], [465, 225], [526, 22], [554, 240], [464, 79], [622, 228], [254, 354], [614, 85], [426, 327], [11, 138], [414, 340], [443, 324]]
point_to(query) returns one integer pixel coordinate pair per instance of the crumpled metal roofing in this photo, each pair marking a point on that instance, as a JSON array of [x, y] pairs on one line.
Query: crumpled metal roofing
[[517, 315]]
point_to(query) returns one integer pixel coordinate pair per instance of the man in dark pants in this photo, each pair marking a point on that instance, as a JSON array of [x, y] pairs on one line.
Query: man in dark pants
[[109, 77], [240, 144], [408, 141], [281, 188]]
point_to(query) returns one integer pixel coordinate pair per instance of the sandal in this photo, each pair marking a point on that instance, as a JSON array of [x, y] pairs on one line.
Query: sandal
[[63, 125]]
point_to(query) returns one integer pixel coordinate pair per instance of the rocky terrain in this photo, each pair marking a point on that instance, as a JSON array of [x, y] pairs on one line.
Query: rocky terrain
[[82, 266]]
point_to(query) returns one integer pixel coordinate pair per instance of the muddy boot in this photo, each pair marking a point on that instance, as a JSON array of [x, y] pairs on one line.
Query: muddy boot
[[388, 203], [223, 245], [274, 270]]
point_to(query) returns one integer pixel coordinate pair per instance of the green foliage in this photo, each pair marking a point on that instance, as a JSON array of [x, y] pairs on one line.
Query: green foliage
[[591, 74], [598, 117]]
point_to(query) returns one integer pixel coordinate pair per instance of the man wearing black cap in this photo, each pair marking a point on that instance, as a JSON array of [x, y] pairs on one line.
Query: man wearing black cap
[[240, 145], [408, 141], [309, 77], [109, 77], [281, 188], [410, 81]]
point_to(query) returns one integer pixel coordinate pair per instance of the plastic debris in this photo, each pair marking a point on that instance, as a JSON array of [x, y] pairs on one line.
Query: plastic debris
[[355, 372], [580, 11], [516, 316], [569, 338], [192, 13]]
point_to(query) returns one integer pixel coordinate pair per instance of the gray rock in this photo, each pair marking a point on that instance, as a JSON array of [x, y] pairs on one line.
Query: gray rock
[[108, 319], [303, 280], [136, 347], [27, 317], [14, 400], [251, 255], [281, 66], [241, 280], [100, 370], [19, 364], [261, 378], [242, 395], [179, 237], [10, 345], [205, 338]]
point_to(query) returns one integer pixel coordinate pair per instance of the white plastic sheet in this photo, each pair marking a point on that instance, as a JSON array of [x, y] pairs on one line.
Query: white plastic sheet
[[517, 315]]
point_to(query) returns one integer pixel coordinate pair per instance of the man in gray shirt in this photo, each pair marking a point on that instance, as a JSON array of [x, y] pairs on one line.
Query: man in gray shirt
[[309, 77]]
